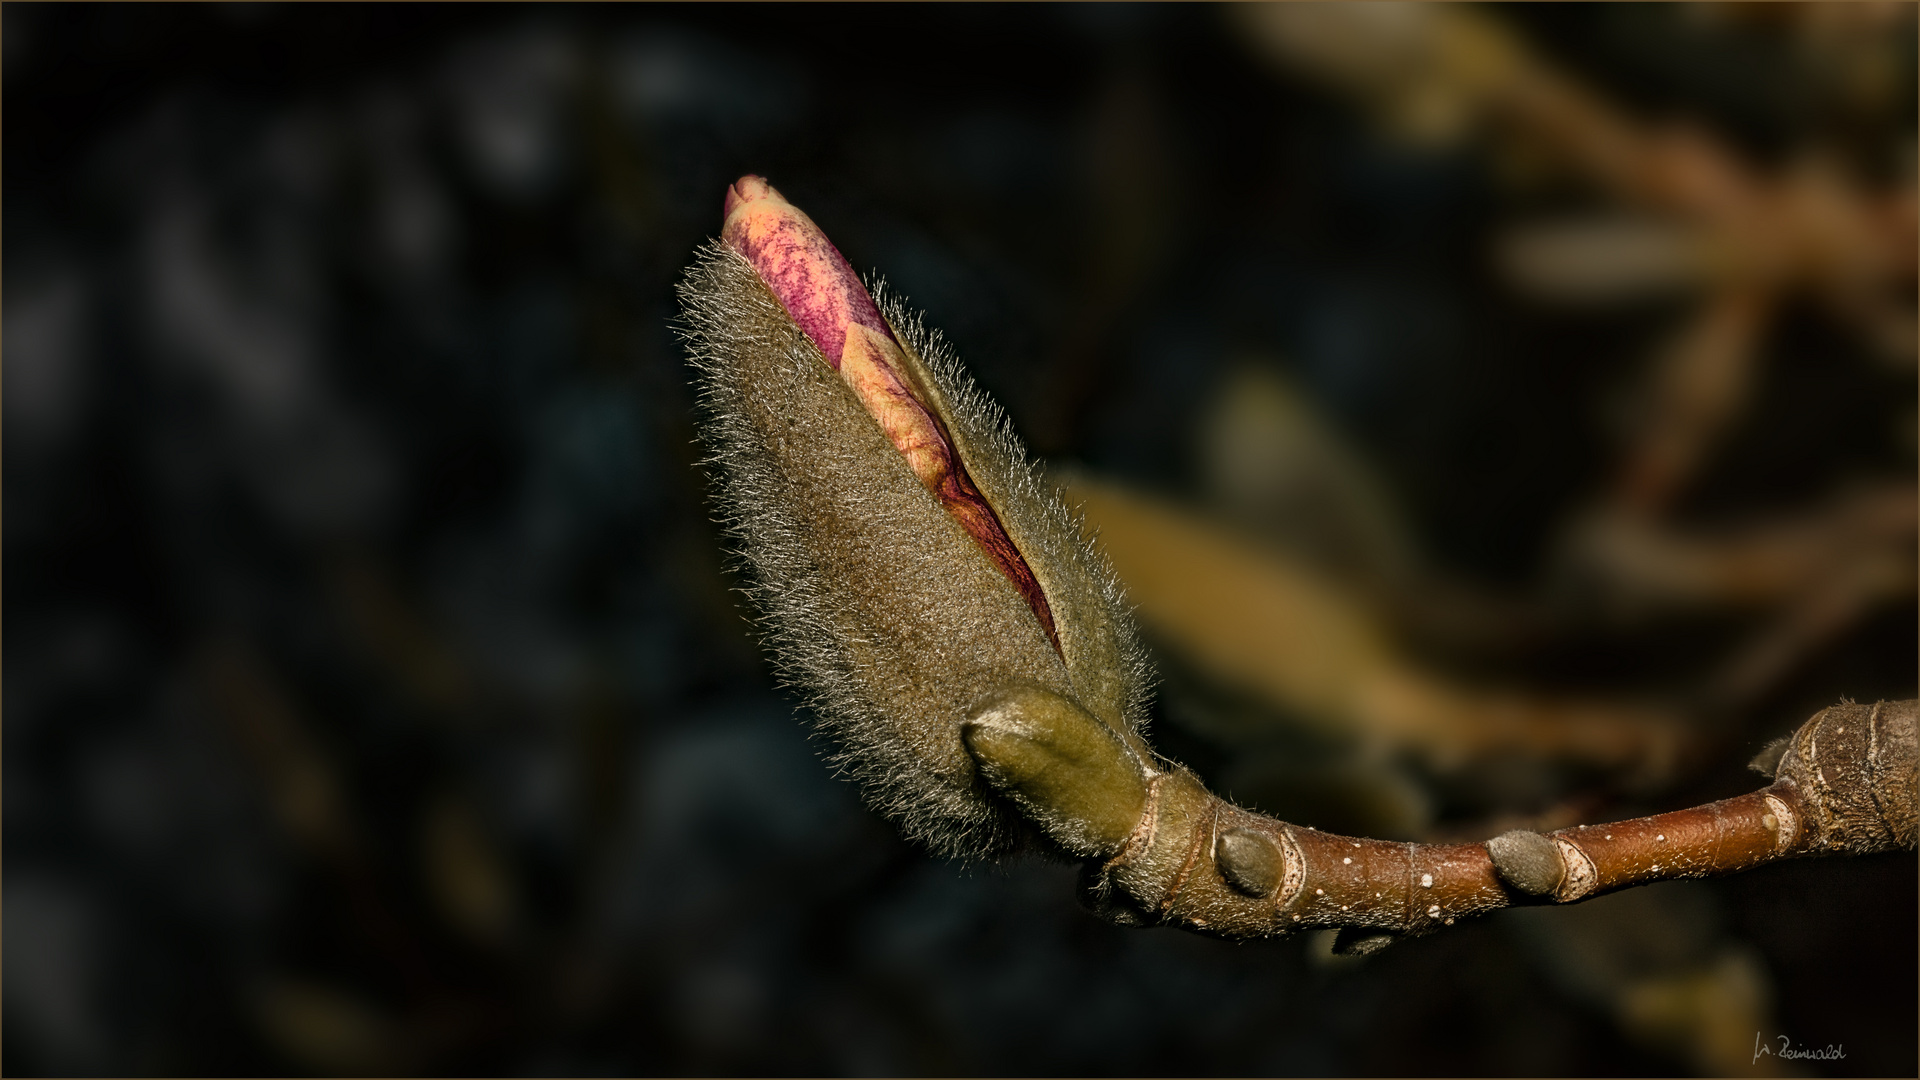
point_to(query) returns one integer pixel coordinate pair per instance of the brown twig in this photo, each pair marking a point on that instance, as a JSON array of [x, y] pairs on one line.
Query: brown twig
[[1844, 785]]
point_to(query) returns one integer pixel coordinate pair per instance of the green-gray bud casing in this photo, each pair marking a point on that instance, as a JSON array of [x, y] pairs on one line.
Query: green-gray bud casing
[[872, 601]]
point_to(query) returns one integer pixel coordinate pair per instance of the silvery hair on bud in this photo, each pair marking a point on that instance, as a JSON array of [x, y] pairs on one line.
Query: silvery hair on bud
[[872, 601]]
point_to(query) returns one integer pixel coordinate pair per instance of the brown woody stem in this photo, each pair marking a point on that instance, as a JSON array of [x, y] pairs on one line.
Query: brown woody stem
[[1845, 784], [1198, 861], [1719, 838]]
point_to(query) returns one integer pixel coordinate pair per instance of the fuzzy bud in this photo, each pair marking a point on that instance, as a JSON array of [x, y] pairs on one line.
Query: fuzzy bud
[[904, 558]]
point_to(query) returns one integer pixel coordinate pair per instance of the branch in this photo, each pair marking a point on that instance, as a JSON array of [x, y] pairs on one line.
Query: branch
[[1162, 849], [1843, 785]]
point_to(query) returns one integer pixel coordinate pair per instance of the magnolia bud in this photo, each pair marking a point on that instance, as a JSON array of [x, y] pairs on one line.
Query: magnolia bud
[[904, 558]]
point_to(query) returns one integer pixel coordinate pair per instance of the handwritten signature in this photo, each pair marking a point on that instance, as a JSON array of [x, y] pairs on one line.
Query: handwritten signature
[[1789, 1052]]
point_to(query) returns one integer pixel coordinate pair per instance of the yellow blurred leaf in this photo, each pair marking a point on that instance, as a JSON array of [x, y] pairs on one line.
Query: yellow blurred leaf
[[1265, 625]]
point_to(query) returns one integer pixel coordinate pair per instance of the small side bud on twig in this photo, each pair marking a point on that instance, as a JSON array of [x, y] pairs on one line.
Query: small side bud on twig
[[1527, 861], [1250, 862], [1351, 941], [1066, 771]]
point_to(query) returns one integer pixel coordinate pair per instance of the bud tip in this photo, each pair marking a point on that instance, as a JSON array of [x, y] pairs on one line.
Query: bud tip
[[747, 189]]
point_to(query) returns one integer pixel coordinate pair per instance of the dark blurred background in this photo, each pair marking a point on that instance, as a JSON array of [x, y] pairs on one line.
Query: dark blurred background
[[376, 700]]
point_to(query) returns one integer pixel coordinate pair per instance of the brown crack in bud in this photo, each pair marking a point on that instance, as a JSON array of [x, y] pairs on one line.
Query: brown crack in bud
[[818, 288]]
